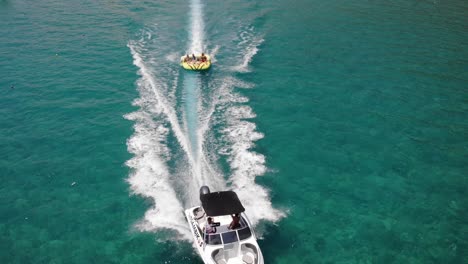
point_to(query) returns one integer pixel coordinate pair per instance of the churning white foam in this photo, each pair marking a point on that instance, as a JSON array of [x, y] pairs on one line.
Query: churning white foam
[[245, 164], [213, 53], [148, 81], [248, 46], [150, 176]]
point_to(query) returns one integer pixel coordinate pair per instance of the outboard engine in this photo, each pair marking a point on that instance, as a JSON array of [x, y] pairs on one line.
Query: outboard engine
[[204, 190]]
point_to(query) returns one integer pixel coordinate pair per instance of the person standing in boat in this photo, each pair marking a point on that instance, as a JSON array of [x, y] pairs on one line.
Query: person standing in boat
[[208, 227], [235, 221]]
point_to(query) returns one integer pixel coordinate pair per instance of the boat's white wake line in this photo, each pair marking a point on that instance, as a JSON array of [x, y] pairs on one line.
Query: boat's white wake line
[[197, 27], [150, 175], [240, 135], [195, 121], [249, 47], [148, 78]]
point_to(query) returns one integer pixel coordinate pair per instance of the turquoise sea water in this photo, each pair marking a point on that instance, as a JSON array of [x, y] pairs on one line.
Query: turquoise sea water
[[341, 124]]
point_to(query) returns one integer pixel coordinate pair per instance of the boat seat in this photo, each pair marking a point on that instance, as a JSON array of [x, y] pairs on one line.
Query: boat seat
[[199, 214], [247, 259]]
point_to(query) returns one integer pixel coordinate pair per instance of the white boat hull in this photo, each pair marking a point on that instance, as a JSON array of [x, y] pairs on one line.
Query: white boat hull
[[245, 251]]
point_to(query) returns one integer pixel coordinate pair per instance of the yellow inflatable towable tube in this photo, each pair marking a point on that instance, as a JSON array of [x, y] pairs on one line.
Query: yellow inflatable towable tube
[[200, 63]]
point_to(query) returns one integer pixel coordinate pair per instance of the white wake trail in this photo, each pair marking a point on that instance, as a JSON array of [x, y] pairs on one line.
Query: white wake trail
[[165, 106], [197, 118], [240, 135], [197, 27], [150, 175]]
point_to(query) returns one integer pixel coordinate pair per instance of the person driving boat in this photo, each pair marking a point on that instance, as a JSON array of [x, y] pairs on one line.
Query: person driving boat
[[208, 227], [235, 221]]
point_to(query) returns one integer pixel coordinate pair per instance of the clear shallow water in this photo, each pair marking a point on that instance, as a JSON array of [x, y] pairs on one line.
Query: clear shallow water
[[362, 144]]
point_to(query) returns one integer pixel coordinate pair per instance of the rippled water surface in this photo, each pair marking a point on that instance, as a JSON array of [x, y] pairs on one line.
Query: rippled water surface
[[340, 124]]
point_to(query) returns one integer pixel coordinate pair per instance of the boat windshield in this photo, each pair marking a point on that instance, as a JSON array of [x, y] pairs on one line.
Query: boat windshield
[[228, 237], [244, 233], [213, 239]]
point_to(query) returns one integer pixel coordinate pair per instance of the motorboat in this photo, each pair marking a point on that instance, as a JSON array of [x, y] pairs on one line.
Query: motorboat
[[198, 62], [217, 240]]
